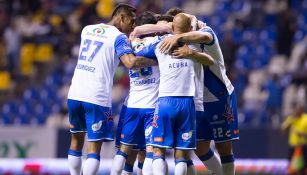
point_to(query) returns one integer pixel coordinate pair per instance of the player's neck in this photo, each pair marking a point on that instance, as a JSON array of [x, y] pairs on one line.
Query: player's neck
[[114, 22]]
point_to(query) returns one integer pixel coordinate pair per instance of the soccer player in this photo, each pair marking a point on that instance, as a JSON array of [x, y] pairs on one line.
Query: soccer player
[[89, 98], [174, 120], [219, 100], [136, 116], [210, 160]]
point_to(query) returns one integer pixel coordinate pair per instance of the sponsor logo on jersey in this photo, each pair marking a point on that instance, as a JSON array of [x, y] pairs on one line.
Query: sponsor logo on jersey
[[148, 131], [154, 122], [158, 139], [127, 47], [71, 126], [228, 133], [97, 126], [236, 131], [186, 136], [122, 136], [100, 30], [215, 117]]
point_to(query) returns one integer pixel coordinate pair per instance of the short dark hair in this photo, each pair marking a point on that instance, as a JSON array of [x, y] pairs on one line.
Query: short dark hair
[[174, 11], [146, 17], [167, 18], [124, 8]]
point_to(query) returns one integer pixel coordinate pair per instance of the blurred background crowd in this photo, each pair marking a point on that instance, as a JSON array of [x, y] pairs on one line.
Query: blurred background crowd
[[264, 43]]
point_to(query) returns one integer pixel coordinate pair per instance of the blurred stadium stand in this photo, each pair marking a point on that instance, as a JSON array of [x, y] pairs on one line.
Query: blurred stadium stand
[[264, 43]]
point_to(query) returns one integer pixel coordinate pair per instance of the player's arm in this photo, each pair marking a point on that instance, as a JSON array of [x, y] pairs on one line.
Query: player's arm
[[124, 52], [145, 62], [150, 28], [190, 37], [187, 52], [201, 24], [130, 61], [196, 37]]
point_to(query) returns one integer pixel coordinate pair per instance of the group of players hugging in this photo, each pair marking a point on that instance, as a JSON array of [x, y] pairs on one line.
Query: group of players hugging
[[179, 98]]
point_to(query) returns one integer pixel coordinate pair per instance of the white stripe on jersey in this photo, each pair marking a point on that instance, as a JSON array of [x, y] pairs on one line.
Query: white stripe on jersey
[[218, 69]]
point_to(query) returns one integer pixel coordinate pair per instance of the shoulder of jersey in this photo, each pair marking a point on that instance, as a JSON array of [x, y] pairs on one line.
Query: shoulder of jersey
[[101, 29], [146, 40], [207, 29]]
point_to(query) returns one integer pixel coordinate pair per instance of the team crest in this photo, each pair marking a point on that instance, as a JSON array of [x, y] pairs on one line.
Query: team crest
[[138, 47]]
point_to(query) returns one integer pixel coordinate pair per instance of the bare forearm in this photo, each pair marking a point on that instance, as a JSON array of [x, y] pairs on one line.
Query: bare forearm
[[151, 28], [202, 58], [144, 62], [195, 37]]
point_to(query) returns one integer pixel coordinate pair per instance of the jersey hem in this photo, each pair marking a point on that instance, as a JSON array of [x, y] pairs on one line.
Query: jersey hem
[[199, 109], [182, 148], [176, 95], [216, 100], [77, 131], [129, 144], [221, 141], [91, 101], [105, 139], [159, 146], [141, 107]]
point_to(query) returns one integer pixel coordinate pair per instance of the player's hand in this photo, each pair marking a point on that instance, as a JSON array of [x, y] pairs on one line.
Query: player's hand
[[201, 24], [169, 43], [134, 34], [182, 52]]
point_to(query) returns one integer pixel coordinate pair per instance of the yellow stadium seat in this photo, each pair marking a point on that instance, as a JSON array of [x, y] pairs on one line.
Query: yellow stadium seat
[[5, 80], [26, 58], [88, 2], [44, 53], [105, 8]]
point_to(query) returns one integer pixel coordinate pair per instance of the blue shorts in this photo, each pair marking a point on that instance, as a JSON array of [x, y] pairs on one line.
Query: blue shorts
[[223, 118], [203, 128], [174, 123], [135, 127], [96, 120]]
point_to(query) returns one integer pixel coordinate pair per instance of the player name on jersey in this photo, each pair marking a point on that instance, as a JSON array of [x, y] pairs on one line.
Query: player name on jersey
[[178, 65]]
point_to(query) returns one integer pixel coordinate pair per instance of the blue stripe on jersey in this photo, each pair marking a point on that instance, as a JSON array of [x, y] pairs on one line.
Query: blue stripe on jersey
[[209, 30], [214, 84], [149, 51], [122, 46]]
